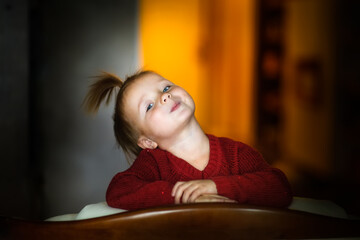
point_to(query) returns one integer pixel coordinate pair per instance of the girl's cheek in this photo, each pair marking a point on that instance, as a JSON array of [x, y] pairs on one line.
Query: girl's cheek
[[154, 116]]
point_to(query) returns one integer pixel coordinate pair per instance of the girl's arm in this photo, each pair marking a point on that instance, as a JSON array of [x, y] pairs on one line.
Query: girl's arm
[[255, 182], [245, 178], [139, 187], [266, 187]]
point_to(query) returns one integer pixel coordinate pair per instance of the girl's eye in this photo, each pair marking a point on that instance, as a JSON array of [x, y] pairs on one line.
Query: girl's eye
[[149, 107], [166, 88]]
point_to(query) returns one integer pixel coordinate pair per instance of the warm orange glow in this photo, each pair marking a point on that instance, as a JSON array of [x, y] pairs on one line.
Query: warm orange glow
[[177, 40], [308, 130], [169, 32]]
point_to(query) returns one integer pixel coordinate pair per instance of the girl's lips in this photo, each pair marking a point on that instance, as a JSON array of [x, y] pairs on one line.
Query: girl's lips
[[176, 106]]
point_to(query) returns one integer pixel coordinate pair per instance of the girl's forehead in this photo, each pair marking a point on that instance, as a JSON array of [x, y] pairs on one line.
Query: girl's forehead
[[144, 85], [149, 80]]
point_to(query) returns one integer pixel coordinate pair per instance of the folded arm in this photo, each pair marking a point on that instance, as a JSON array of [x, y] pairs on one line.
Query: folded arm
[[139, 187], [267, 187]]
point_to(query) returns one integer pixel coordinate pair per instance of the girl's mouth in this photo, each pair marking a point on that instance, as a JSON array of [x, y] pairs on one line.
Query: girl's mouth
[[176, 106]]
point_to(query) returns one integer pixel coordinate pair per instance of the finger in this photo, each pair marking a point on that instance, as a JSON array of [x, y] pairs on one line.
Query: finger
[[178, 194], [186, 189], [214, 198], [217, 199], [226, 200], [180, 191], [176, 186], [202, 199], [204, 189], [222, 198], [188, 192], [195, 194]]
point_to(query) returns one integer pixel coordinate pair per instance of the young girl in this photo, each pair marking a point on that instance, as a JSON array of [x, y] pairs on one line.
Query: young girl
[[176, 162]]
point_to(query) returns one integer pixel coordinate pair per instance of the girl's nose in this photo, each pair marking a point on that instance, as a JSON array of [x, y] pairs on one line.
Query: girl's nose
[[165, 97]]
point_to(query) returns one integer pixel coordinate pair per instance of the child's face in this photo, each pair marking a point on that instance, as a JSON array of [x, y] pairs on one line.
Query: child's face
[[157, 107]]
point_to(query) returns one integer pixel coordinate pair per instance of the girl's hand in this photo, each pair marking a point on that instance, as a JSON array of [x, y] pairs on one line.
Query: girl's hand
[[213, 198], [188, 192]]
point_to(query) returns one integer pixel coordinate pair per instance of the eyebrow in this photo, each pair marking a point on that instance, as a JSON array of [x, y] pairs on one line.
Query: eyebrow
[[169, 82]]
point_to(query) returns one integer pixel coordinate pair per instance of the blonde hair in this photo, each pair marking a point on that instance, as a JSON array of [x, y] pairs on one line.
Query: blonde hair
[[102, 90]]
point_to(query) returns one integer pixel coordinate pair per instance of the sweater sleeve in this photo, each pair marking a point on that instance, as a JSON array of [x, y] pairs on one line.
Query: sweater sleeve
[[139, 187], [254, 181]]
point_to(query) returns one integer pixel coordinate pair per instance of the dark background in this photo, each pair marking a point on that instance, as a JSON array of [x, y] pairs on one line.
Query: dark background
[[55, 159]]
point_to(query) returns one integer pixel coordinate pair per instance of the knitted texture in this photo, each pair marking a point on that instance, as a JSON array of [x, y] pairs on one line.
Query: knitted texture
[[239, 172]]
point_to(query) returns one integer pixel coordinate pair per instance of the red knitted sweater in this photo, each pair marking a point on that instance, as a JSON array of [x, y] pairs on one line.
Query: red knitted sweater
[[239, 172]]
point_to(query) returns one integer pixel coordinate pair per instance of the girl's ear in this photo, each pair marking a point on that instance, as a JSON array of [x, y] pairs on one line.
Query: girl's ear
[[144, 143]]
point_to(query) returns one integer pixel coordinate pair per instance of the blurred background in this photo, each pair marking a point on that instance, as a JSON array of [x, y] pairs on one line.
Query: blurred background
[[280, 75]]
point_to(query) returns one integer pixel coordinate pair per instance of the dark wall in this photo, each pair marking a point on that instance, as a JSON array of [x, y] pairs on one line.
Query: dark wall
[[15, 186], [56, 159], [347, 115]]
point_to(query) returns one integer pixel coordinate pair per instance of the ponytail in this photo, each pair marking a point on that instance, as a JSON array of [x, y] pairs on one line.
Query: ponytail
[[102, 90]]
